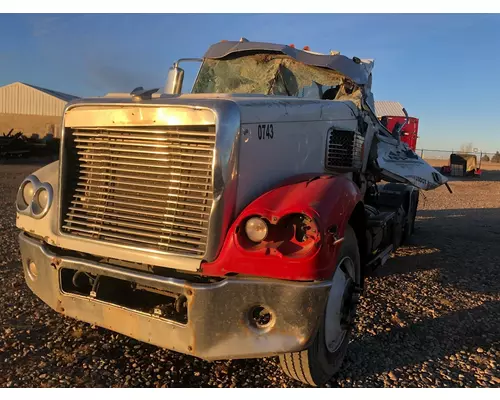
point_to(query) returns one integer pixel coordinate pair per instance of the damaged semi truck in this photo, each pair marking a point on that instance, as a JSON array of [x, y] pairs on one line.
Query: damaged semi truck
[[236, 221]]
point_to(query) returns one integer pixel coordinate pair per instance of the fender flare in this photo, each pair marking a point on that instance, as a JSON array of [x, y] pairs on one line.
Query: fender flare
[[329, 200]]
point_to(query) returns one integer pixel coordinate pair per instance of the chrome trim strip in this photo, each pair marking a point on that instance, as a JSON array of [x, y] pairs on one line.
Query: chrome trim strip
[[225, 174]]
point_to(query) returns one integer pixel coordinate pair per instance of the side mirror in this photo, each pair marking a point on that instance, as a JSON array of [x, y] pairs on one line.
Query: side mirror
[[175, 79], [175, 76]]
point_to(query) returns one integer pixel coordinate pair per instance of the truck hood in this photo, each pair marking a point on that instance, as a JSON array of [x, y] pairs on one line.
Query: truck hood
[[395, 160], [253, 108]]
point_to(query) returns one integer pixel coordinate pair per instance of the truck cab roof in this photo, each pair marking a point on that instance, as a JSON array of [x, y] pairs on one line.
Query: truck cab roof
[[358, 70]]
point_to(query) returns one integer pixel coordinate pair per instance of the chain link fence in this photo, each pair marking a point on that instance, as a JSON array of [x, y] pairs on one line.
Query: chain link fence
[[442, 157]]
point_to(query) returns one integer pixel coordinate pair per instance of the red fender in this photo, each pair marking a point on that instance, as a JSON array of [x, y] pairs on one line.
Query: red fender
[[328, 200]]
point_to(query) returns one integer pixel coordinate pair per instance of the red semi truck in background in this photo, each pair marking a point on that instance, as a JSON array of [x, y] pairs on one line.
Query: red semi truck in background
[[390, 114]]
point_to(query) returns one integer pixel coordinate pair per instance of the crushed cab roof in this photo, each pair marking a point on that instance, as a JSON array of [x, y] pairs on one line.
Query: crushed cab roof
[[357, 72]]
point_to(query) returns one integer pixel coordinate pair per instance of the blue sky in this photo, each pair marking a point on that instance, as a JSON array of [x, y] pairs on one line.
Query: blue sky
[[442, 68]]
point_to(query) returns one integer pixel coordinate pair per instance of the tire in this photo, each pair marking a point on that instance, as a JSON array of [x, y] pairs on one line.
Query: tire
[[316, 365]]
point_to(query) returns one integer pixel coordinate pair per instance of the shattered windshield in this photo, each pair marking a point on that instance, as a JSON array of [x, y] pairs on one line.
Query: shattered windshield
[[273, 74]]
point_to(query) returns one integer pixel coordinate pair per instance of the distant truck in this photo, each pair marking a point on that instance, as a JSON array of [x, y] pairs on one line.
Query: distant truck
[[389, 113], [461, 165]]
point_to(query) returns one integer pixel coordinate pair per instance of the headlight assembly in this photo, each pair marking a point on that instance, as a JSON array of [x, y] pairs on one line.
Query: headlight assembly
[[25, 195], [256, 229], [34, 198]]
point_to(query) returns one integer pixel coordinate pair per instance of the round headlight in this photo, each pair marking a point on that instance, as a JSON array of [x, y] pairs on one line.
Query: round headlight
[[41, 200], [256, 229], [25, 194], [28, 192]]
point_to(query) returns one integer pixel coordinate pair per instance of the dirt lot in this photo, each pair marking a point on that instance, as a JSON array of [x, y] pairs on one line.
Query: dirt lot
[[430, 317]]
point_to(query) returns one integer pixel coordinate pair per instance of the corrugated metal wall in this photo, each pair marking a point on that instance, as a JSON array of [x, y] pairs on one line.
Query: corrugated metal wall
[[388, 108], [17, 98]]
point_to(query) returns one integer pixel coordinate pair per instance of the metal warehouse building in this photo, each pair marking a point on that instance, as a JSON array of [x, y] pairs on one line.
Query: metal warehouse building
[[389, 109], [31, 109]]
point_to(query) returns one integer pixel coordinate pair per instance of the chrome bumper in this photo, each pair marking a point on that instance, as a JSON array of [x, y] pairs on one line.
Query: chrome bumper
[[218, 325]]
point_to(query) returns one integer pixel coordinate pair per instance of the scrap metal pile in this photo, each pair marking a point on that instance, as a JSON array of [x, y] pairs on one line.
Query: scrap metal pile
[[18, 145]]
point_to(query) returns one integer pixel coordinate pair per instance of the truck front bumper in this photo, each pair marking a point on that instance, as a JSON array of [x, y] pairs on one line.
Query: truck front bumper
[[219, 323]]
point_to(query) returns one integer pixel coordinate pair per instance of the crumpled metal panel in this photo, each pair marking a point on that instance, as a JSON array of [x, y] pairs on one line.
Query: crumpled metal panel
[[359, 73], [261, 73], [401, 164]]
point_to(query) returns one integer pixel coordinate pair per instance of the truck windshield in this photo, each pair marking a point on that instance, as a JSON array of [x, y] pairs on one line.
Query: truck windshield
[[270, 74]]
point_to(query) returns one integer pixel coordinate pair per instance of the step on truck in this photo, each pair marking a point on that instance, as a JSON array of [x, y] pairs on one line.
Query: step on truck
[[235, 221]]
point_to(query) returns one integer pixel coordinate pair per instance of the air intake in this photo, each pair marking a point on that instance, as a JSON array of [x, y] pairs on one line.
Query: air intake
[[344, 151]]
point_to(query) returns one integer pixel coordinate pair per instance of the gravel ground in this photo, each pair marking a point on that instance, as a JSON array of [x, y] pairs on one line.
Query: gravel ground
[[430, 317]]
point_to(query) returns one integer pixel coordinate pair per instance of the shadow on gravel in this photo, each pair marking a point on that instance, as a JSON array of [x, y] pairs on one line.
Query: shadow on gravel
[[462, 244], [426, 341]]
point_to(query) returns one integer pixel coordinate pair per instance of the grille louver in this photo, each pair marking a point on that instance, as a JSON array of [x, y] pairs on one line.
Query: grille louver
[[148, 188], [344, 151]]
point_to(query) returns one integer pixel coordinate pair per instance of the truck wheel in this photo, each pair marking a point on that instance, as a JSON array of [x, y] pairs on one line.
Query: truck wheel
[[323, 358]]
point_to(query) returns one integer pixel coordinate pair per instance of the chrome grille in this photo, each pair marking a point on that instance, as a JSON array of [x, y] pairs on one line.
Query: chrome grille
[[149, 188]]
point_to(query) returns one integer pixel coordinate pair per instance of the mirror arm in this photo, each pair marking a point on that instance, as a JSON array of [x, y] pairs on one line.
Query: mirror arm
[[406, 120], [400, 129], [176, 64]]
